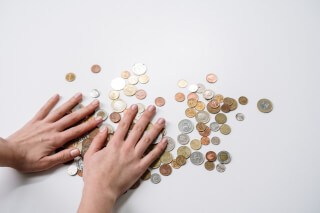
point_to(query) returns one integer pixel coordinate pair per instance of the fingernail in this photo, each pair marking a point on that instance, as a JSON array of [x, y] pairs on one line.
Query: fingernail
[[75, 152], [55, 96], [103, 129], [98, 118], [151, 108], [164, 140], [161, 121], [77, 95], [134, 107], [95, 102]]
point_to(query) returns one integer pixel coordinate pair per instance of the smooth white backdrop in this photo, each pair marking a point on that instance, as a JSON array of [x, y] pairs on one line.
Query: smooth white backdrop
[[257, 48]]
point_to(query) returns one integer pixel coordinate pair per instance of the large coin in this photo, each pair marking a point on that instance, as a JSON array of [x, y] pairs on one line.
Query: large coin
[[208, 94], [141, 94], [155, 178], [129, 90], [221, 118], [193, 88], [184, 150], [225, 129], [183, 139], [203, 117], [180, 97], [160, 101], [224, 157], [205, 140], [174, 164], [219, 97], [171, 144], [214, 126], [139, 69], [213, 110], [118, 83], [118, 105], [265, 105], [165, 169], [166, 157], [211, 156], [192, 102], [195, 144], [133, 80], [200, 106], [196, 158], [190, 112], [181, 160], [185, 126], [115, 117]]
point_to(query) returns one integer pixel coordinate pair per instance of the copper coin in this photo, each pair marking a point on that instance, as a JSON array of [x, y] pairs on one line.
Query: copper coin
[[213, 110], [211, 78], [228, 101], [205, 140], [181, 160], [193, 95], [160, 101], [180, 97], [79, 173], [141, 94], [125, 74], [206, 132], [209, 165], [70, 77], [201, 127], [165, 169], [225, 108], [243, 100], [211, 156], [135, 185], [115, 117], [214, 103], [95, 68]]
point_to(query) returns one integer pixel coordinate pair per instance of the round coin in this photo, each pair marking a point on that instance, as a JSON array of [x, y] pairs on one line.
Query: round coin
[[225, 108], [103, 114], [94, 93], [146, 175], [221, 118], [183, 139], [70, 77], [190, 112], [209, 165], [211, 156], [115, 117], [211, 78], [141, 94], [143, 79], [243, 100], [192, 102], [240, 116], [213, 110], [234, 105], [208, 94], [114, 94], [265, 105], [182, 83], [225, 129], [214, 126], [214, 103], [118, 105], [129, 90], [125, 74], [179, 97], [95, 68], [118, 83], [221, 168], [174, 164], [196, 158], [228, 101], [203, 116], [160, 101], [201, 88], [193, 95], [206, 132], [200, 106], [139, 69], [181, 160], [170, 145], [156, 164], [193, 88], [219, 97], [215, 140], [185, 126], [195, 144], [72, 170], [201, 127], [133, 80], [224, 157], [205, 140], [155, 178], [184, 150], [166, 157], [165, 169]]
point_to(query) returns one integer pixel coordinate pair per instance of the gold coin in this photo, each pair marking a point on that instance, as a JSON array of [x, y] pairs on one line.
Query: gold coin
[[243, 100], [209, 165], [213, 110], [219, 98], [228, 101], [264, 105], [135, 185], [234, 104], [190, 112], [221, 118], [166, 157], [174, 164], [129, 90], [146, 175], [143, 79], [200, 106], [181, 160], [125, 74], [195, 144], [201, 127], [113, 95], [156, 164], [192, 102], [70, 77], [184, 150], [150, 125], [225, 129]]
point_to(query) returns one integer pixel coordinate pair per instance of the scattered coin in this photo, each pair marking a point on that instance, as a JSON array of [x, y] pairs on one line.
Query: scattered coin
[[166, 157], [103, 114], [79, 172], [139, 69], [221, 168], [156, 164], [214, 126], [133, 80], [228, 101], [234, 105], [200, 106], [264, 105], [115, 117], [160, 101], [114, 94], [201, 126], [183, 139], [208, 94], [72, 170], [165, 169], [146, 175], [181, 160], [195, 144], [225, 129], [201, 88], [224, 157], [206, 132], [182, 83], [118, 83], [95, 68], [143, 79], [129, 90], [196, 158], [193, 88], [171, 144], [205, 140], [225, 108], [219, 97], [221, 118], [118, 105], [174, 164], [70, 77], [192, 102], [185, 126], [243, 100], [213, 110], [155, 178], [180, 97], [240, 116], [215, 140], [190, 112], [203, 116], [211, 156], [141, 94], [136, 184], [211, 78], [209, 165], [214, 103], [94, 93], [125, 74], [193, 95], [184, 150]]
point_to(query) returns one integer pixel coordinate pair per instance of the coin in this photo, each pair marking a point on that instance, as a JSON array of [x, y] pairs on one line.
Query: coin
[[214, 126], [201, 127], [214, 103], [215, 140], [185, 126], [180, 97], [72, 170], [219, 97], [94, 93], [125, 74], [243, 100], [206, 132], [166, 157], [209, 165], [135, 185], [171, 144], [155, 178], [202, 116], [234, 105], [225, 108], [190, 112], [95, 68], [79, 172], [118, 105], [221, 168], [133, 80], [139, 69], [146, 175], [224, 157], [118, 83], [143, 79], [103, 114], [165, 169], [211, 156], [225, 129], [115, 117], [129, 90], [200, 106], [195, 144], [192, 102], [265, 105], [114, 94], [201, 88], [141, 94], [221, 118], [181, 160], [193, 95], [205, 140], [228, 101], [196, 158], [240, 116], [183, 139], [70, 77], [160, 101], [156, 164], [193, 88], [77, 107], [184, 150], [211, 78], [110, 128], [182, 83], [174, 164], [208, 94]]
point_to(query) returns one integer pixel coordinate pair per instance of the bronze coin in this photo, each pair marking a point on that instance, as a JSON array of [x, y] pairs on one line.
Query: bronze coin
[[135, 185], [209, 165], [160, 101], [146, 175], [228, 101], [243, 100], [165, 169], [213, 110], [180, 97], [192, 102], [206, 132], [214, 103], [225, 108], [141, 94], [211, 78], [174, 164], [115, 117], [190, 112], [125, 74], [70, 77], [79, 173], [95, 68], [193, 95], [211, 156], [181, 160], [205, 140], [201, 127], [234, 105]]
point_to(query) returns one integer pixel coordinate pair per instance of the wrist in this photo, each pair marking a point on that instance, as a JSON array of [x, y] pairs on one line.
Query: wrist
[[6, 154]]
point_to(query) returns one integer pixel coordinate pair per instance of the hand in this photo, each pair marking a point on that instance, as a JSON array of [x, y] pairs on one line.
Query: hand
[[110, 171], [30, 148]]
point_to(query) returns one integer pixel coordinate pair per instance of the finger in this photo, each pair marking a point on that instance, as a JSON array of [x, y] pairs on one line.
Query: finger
[[60, 157], [79, 130], [148, 138], [44, 111], [76, 116], [125, 123], [97, 142], [64, 108], [147, 160], [140, 126]]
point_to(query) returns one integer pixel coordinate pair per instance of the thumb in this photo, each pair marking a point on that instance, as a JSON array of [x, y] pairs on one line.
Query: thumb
[[61, 157]]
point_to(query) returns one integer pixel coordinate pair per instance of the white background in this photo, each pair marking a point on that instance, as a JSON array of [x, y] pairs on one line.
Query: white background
[[260, 49]]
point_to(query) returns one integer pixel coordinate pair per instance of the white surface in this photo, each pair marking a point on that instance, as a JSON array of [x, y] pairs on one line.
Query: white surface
[[260, 49]]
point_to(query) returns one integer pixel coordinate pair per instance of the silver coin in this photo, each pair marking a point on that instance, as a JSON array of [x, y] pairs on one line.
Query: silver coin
[[139, 69], [171, 144], [240, 116], [214, 126], [118, 83], [185, 126], [221, 168], [224, 153], [193, 88], [133, 80], [94, 93], [110, 128], [72, 170], [80, 165], [158, 139], [141, 107], [77, 107], [201, 88], [77, 158], [118, 105], [182, 83], [208, 94], [215, 140], [183, 139], [203, 116], [101, 111], [155, 178], [196, 158]]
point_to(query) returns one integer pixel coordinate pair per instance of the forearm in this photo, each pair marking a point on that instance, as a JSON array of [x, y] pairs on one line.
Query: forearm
[[5, 154]]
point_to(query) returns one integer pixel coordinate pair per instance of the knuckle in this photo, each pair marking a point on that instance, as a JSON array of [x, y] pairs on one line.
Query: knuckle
[[147, 139], [139, 128]]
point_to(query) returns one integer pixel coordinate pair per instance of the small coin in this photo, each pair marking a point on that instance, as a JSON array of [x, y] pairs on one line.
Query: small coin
[[133, 80], [225, 129], [181, 160], [219, 97], [208, 94], [160, 101], [165, 169], [118, 83], [146, 175], [213, 110], [228, 101], [224, 157], [215, 140], [211, 156], [205, 140], [115, 117], [139, 69], [125, 74], [156, 164], [221, 168], [202, 116], [214, 126], [183, 139], [221, 118], [95, 68], [225, 108], [240, 116], [166, 157], [243, 100], [171, 144], [192, 102], [118, 105], [182, 83], [211, 78], [114, 94], [201, 126], [184, 150], [195, 144], [103, 114], [94, 93], [193, 95], [70, 77], [200, 106], [143, 79], [72, 170], [201, 88], [129, 90], [174, 164], [193, 87], [79, 172], [209, 165], [206, 132], [155, 178], [214, 103], [234, 105], [180, 97], [141, 94], [185, 126], [196, 158], [265, 105], [190, 112]]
